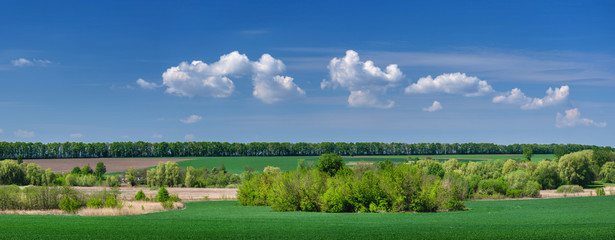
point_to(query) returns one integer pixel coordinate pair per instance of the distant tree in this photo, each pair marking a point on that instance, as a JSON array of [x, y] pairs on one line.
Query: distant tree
[[528, 153], [575, 168], [19, 159], [131, 176], [86, 170], [100, 170], [330, 163], [76, 170], [509, 166], [601, 156], [560, 151]]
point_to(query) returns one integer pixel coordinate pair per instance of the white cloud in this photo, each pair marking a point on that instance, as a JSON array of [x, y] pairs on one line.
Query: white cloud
[[189, 137], [76, 135], [573, 118], [213, 80], [516, 96], [156, 135], [192, 119], [270, 87], [22, 62], [1, 130], [24, 134], [451, 83], [366, 82], [435, 106], [147, 85]]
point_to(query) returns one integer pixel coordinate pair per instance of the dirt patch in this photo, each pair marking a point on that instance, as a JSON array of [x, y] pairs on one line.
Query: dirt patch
[[586, 193], [64, 165], [185, 194], [359, 163], [129, 208]]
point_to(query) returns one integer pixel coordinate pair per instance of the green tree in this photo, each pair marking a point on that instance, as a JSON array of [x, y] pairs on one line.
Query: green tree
[[608, 172], [547, 175], [330, 163], [86, 170], [163, 195], [528, 153], [131, 176], [601, 156], [76, 170], [19, 159], [509, 166], [100, 170], [575, 168]]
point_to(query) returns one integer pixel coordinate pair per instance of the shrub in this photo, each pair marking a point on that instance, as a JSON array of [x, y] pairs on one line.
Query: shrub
[[113, 181], [174, 198], [569, 189], [434, 168], [69, 204], [112, 202], [94, 203], [330, 163], [86, 170], [492, 186], [167, 204], [600, 192], [451, 165], [76, 170], [140, 196], [532, 189], [11, 173], [163, 195], [272, 170]]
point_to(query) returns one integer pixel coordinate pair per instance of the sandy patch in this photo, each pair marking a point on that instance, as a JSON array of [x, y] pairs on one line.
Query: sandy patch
[[64, 165], [586, 193], [185, 194]]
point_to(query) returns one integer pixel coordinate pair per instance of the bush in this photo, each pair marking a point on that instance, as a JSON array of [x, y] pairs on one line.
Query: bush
[[76, 170], [569, 189], [113, 181], [100, 170], [532, 189], [69, 204], [330, 163], [140, 196], [517, 179], [163, 195], [174, 198], [167, 204], [600, 192], [112, 202], [94, 203], [509, 166], [492, 186], [131, 176]]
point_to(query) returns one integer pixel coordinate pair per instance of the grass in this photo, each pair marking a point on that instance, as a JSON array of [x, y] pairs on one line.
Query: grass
[[565, 218], [236, 164]]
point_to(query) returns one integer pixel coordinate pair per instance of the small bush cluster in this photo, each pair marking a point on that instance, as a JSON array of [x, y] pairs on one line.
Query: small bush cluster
[[569, 189], [169, 174]]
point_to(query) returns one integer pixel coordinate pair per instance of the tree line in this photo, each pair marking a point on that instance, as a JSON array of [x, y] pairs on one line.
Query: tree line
[[13, 150]]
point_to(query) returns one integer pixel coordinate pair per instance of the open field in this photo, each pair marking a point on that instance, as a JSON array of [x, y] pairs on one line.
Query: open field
[[236, 164], [287, 163], [113, 164], [563, 218]]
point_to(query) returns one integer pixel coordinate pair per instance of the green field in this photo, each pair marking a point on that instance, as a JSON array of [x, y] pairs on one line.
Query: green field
[[565, 218], [236, 164]]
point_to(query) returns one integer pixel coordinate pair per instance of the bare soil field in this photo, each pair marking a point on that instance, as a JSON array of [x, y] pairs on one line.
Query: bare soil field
[[129, 208], [185, 194], [586, 193], [64, 165]]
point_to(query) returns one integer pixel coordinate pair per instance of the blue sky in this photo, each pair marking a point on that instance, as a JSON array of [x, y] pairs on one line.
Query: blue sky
[[313, 71]]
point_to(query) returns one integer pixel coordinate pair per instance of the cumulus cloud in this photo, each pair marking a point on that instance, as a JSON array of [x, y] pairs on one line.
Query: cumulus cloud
[[435, 106], [192, 119], [76, 135], [451, 83], [214, 80], [156, 135], [270, 87], [516, 96], [147, 85], [22, 62], [366, 82], [573, 118], [189, 137], [24, 134]]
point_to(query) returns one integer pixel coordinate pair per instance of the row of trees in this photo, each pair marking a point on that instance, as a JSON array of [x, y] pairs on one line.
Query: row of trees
[[14, 150]]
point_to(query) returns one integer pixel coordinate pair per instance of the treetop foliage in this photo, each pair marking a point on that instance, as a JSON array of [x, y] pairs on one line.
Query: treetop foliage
[[11, 150]]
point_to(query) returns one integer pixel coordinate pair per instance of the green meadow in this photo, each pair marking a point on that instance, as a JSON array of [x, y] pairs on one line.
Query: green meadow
[[564, 218], [287, 163]]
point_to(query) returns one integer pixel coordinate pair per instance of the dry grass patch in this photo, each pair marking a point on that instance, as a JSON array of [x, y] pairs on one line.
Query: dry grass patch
[[130, 208]]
